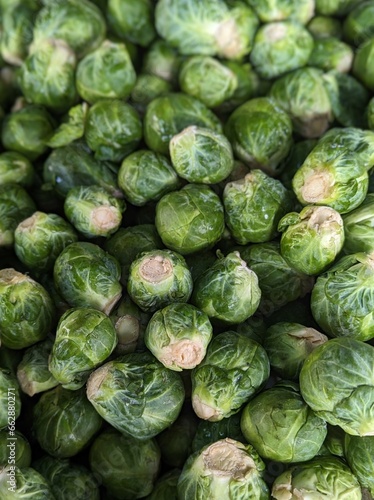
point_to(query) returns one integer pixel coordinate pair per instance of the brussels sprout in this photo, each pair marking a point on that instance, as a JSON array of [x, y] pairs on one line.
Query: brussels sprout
[[280, 10], [16, 168], [288, 345], [191, 219], [71, 129], [335, 7], [73, 165], [44, 82], [64, 422], [281, 426], [303, 96], [39, 240], [260, 133], [335, 172], [359, 227], [208, 432], [26, 310], [15, 450], [17, 26], [10, 398], [136, 394], [311, 239], [325, 27], [19, 483], [363, 65], [358, 452], [253, 207], [147, 88], [68, 481], [85, 338], [324, 476], [227, 466], [294, 160], [163, 61], [79, 23], [178, 336], [32, 372], [342, 393], [146, 176], [234, 369], [358, 25], [280, 47], [87, 276], [127, 467], [342, 299], [207, 28], [253, 328], [334, 442], [165, 487], [158, 278], [132, 20], [208, 80], [331, 54], [168, 115]]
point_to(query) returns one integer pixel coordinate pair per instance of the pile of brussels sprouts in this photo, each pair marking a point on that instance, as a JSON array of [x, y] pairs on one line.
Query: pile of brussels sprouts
[[187, 249]]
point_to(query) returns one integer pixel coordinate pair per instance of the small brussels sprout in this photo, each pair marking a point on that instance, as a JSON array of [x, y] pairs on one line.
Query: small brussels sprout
[[158, 278], [168, 115], [303, 96], [363, 64], [127, 467], [342, 299], [312, 239], [87, 276], [233, 370], [359, 227], [15, 450], [280, 47], [146, 176], [208, 432], [19, 483], [336, 381], [39, 240], [32, 372], [358, 25], [260, 133], [331, 54], [325, 27], [191, 219], [253, 207], [132, 21], [207, 79], [15, 168], [163, 61], [178, 336], [228, 466], [358, 452], [85, 338], [26, 310], [165, 487], [335, 7], [136, 394], [228, 291], [93, 211], [288, 345], [280, 10], [147, 88], [71, 127], [334, 442], [113, 129], [328, 475], [44, 82], [10, 398], [281, 426], [205, 28]]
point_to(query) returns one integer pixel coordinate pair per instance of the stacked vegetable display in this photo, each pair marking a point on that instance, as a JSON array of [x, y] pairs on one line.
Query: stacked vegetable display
[[187, 249]]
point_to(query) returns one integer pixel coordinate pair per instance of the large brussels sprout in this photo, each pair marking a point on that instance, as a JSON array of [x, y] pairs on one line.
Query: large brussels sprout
[[87, 276], [178, 336], [64, 422], [281, 426], [132, 21], [327, 477], [233, 370], [146, 176], [18, 483], [163, 61], [71, 127], [127, 467], [17, 27], [260, 133], [201, 155], [16, 168], [359, 25], [280, 47], [158, 278], [359, 227], [106, 73], [253, 207], [279, 10], [85, 338], [227, 466], [332, 54], [228, 291], [191, 219], [342, 299], [26, 310], [336, 381], [10, 398], [363, 64], [39, 240], [359, 452], [168, 115], [15, 450], [136, 394], [288, 345], [207, 28], [303, 96], [208, 432]]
